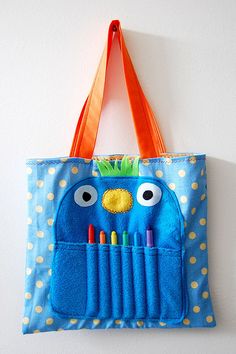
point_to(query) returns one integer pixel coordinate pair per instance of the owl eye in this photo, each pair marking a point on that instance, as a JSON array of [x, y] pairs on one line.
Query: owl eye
[[85, 196], [148, 194]]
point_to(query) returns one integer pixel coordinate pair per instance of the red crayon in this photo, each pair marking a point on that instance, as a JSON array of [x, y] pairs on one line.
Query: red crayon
[[91, 238]]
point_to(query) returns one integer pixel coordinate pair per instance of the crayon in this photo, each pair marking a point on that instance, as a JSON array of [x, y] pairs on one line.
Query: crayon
[[91, 238], [136, 239], [113, 238], [102, 237], [149, 236], [125, 238]]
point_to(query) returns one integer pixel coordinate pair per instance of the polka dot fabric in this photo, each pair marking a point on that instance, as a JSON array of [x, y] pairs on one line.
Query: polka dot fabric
[[48, 180]]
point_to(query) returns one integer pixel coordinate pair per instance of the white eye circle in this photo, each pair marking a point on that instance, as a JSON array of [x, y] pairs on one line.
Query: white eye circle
[[85, 196], [148, 194]]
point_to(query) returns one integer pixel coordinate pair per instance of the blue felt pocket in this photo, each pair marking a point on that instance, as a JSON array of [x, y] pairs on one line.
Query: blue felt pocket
[[152, 283], [170, 284], [69, 279], [139, 280], [104, 282], [116, 281], [127, 283], [92, 280]]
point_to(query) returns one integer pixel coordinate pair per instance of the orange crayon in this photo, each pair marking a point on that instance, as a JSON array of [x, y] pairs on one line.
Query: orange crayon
[[102, 237]]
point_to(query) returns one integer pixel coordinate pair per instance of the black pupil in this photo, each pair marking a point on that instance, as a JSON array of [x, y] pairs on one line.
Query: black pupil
[[147, 195], [86, 196]]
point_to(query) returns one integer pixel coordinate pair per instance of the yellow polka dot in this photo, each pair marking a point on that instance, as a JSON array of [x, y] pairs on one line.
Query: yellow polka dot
[[51, 170], [50, 196], [62, 183], [28, 296], [193, 159], [118, 322], [29, 170], [39, 208], [29, 221], [40, 234], [196, 309], [39, 259], [96, 322], [209, 319], [36, 331], [30, 245], [73, 320], [50, 222], [39, 284], [28, 271], [74, 170], [159, 173], [202, 221], [203, 197], [29, 196], [192, 235], [193, 260], [140, 323], [49, 272], [50, 247], [171, 186], [181, 173], [168, 161], [25, 320], [94, 173], [195, 185], [183, 199], [193, 211], [202, 172], [203, 246], [186, 321], [64, 159], [194, 284], [204, 271], [162, 324], [38, 309], [146, 162], [39, 183], [205, 294], [49, 321]]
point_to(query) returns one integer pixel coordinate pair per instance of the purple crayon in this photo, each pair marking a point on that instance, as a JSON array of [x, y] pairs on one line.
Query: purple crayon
[[149, 236]]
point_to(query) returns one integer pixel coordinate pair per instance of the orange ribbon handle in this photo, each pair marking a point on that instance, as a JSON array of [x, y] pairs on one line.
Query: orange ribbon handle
[[148, 134]]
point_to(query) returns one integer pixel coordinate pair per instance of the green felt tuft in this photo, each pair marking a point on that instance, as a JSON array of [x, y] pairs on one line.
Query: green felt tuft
[[123, 168]]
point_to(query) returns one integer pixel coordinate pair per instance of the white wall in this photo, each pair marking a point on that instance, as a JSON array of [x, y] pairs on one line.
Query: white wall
[[184, 52]]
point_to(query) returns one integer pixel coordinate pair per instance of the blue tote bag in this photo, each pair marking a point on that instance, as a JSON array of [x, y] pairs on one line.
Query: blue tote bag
[[117, 241]]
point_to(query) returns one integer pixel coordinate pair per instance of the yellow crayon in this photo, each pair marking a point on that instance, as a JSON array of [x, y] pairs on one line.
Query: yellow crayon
[[114, 238]]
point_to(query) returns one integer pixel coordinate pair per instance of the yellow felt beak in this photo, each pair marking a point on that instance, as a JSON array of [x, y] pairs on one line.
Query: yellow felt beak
[[117, 200]]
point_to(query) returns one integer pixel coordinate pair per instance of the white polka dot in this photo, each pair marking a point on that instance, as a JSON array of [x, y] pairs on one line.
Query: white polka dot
[[162, 324], [29, 221], [73, 320], [193, 159], [159, 173], [171, 186], [192, 235], [28, 296], [74, 170], [25, 320], [194, 185], [205, 294], [49, 272], [181, 173], [196, 309], [40, 234], [30, 245], [49, 321], [203, 246], [64, 159], [39, 208], [193, 211], [168, 161], [209, 319], [186, 321], [202, 221], [87, 160], [203, 197], [29, 196], [28, 271], [140, 323], [62, 183], [50, 196], [39, 284], [96, 322], [50, 247], [118, 322], [50, 222], [94, 173], [39, 259], [39, 183], [29, 170], [38, 309], [146, 162], [194, 284], [51, 170], [36, 331], [192, 260], [183, 199], [204, 271]]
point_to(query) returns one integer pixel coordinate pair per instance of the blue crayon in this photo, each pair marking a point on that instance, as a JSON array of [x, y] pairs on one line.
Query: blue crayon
[[136, 239]]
